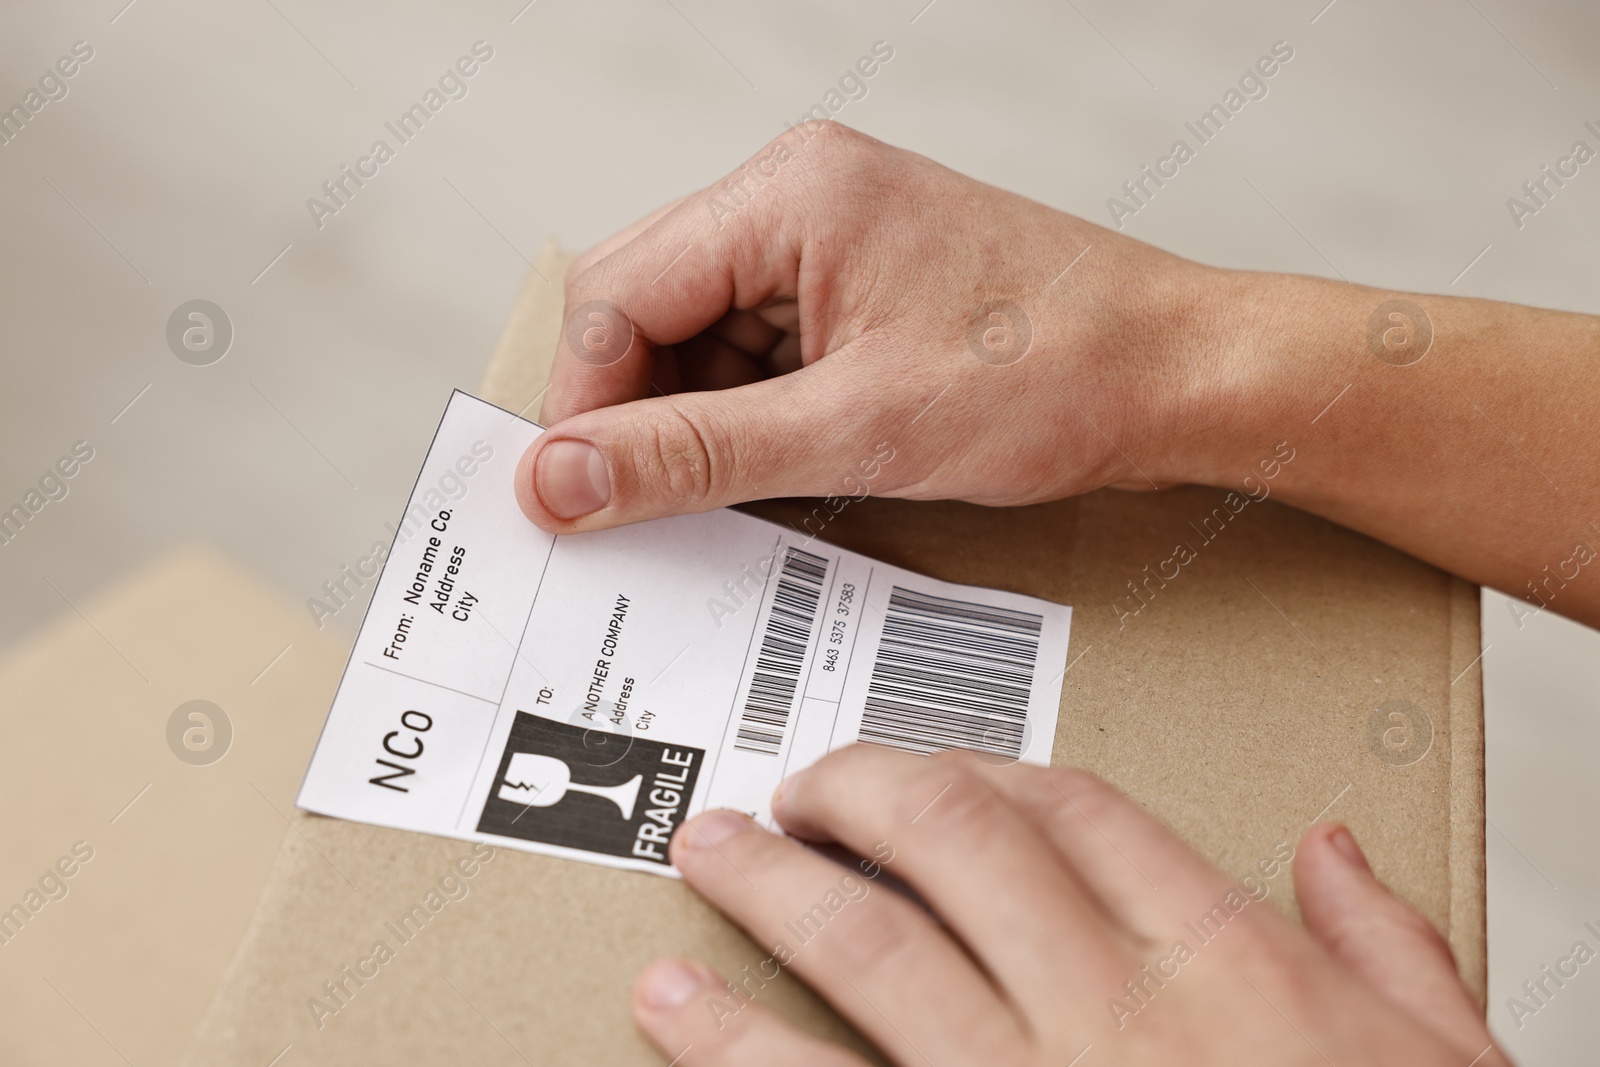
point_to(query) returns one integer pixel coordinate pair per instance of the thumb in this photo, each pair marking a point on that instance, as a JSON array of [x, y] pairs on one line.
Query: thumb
[[695, 451], [1381, 939]]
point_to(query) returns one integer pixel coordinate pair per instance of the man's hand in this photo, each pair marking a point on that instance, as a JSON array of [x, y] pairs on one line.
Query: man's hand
[[763, 337], [837, 298], [1068, 927]]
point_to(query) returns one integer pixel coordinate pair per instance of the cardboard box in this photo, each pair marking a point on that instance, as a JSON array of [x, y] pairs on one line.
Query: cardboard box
[[121, 956], [1292, 669]]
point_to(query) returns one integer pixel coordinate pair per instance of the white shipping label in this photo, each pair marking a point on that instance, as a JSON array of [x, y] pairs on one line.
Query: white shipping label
[[583, 695]]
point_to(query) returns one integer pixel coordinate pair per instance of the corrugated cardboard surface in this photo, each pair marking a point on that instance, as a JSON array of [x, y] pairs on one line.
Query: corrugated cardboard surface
[[1237, 705]]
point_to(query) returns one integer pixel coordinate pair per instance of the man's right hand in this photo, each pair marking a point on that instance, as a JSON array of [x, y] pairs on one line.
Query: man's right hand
[[836, 300]]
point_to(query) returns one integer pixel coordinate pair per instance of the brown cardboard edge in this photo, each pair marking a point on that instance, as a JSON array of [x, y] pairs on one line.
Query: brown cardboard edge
[[1468, 922], [243, 951], [516, 375]]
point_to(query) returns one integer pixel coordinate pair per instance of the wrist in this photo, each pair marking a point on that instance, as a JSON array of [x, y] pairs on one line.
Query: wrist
[[1247, 368]]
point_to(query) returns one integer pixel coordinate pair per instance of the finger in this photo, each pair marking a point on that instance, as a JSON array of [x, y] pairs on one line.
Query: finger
[[785, 356], [701, 450], [783, 315], [870, 952], [747, 331], [659, 373], [691, 266], [983, 867], [708, 362], [618, 239], [1136, 868], [674, 279], [666, 377], [684, 1008], [1383, 940]]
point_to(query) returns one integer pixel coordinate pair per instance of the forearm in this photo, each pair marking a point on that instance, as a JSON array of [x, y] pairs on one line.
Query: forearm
[[1481, 457]]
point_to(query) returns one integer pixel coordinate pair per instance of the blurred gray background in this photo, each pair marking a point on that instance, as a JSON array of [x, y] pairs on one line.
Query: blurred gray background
[[180, 160]]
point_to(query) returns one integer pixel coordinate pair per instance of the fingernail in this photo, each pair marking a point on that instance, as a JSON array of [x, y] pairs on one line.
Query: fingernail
[[571, 479], [712, 828], [669, 984], [1344, 841]]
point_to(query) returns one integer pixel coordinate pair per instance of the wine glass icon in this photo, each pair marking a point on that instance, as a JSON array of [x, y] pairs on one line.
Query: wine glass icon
[[538, 781]]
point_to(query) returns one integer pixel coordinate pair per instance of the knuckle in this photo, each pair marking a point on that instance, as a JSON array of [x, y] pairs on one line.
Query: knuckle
[[676, 454], [831, 171], [880, 946], [833, 137], [848, 159], [951, 794], [1289, 967], [835, 156], [1345, 936], [1078, 792], [875, 940], [832, 787], [822, 137]]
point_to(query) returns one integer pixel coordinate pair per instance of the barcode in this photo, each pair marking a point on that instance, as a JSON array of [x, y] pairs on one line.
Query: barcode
[[951, 674], [783, 652]]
